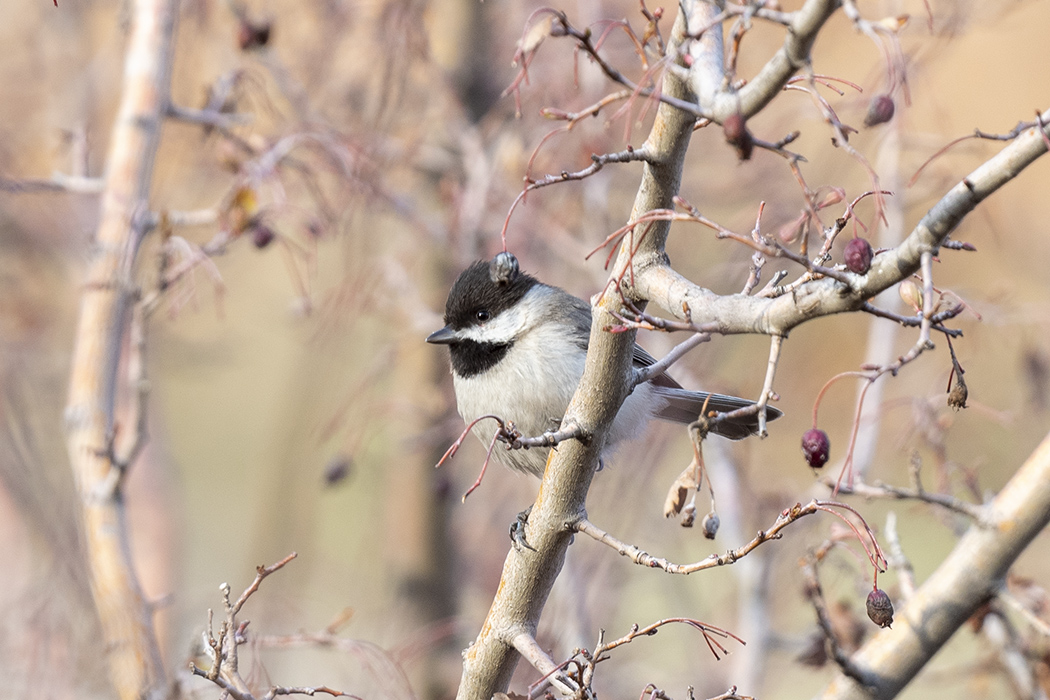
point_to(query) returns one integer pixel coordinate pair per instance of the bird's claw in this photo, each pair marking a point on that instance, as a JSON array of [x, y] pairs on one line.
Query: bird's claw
[[517, 530]]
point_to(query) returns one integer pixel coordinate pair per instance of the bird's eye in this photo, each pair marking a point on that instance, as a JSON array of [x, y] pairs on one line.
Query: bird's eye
[[482, 315]]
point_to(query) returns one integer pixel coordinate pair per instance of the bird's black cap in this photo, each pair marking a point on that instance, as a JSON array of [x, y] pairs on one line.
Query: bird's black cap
[[486, 287]]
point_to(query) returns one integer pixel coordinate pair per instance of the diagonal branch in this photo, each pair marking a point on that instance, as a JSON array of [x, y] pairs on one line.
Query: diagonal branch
[[970, 576], [658, 282]]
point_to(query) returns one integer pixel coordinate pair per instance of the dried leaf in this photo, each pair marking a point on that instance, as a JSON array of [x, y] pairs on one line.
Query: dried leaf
[[679, 491], [893, 24], [535, 36]]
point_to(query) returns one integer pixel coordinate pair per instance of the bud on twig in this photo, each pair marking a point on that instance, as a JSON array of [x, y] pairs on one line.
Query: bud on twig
[[911, 294]]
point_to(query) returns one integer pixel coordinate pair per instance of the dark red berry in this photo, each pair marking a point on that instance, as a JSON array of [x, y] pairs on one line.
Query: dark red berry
[[735, 129], [858, 256], [880, 110], [337, 470], [880, 609], [815, 447], [262, 236], [253, 35]]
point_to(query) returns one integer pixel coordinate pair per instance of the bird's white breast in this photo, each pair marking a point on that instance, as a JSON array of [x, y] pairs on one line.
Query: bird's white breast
[[532, 386]]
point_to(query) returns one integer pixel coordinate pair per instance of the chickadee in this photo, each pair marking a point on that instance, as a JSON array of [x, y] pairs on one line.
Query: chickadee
[[518, 348]]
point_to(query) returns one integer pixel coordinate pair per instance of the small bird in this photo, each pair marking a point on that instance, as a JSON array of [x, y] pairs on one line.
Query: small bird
[[518, 348]]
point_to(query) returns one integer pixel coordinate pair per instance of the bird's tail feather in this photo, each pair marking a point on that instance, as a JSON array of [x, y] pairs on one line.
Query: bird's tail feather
[[684, 406]]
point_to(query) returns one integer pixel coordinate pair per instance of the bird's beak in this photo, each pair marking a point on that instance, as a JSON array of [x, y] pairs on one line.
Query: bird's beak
[[445, 336]]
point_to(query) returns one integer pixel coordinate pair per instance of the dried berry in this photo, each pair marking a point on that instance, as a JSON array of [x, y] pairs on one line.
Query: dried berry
[[815, 447], [337, 470], [262, 236], [688, 515], [710, 525], [959, 393], [880, 110], [880, 609], [503, 269], [735, 129], [858, 255], [253, 35]]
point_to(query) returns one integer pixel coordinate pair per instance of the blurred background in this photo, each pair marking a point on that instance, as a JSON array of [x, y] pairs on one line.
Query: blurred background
[[294, 405]]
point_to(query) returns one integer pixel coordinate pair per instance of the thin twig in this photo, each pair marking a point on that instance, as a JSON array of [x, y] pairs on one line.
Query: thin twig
[[531, 651], [643, 558], [1034, 621], [897, 560], [979, 514], [676, 353], [775, 343], [815, 593], [58, 182]]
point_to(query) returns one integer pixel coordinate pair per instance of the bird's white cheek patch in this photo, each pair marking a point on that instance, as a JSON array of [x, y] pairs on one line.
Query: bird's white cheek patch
[[502, 329], [508, 325]]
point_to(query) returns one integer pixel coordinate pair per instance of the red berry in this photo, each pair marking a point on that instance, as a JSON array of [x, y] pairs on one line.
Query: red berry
[[735, 129], [880, 609], [858, 256], [262, 236], [880, 110], [253, 35], [337, 470], [815, 447]]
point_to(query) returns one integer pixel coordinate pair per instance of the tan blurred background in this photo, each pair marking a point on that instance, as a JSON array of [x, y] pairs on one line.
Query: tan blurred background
[[308, 357]]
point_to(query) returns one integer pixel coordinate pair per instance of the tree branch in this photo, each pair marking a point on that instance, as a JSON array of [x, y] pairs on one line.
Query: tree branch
[[658, 282], [58, 182], [136, 669], [970, 576], [528, 576], [643, 558]]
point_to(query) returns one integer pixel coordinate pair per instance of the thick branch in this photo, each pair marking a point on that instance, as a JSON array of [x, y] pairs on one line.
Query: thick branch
[[658, 282], [528, 576], [706, 77], [969, 577], [135, 663]]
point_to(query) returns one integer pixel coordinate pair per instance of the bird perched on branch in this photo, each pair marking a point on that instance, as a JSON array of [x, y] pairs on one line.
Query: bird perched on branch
[[518, 348]]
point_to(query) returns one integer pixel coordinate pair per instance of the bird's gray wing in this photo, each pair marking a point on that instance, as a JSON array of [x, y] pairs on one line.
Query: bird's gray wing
[[577, 313]]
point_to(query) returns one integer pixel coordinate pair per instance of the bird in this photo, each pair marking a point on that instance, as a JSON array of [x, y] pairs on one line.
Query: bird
[[517, 348]]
